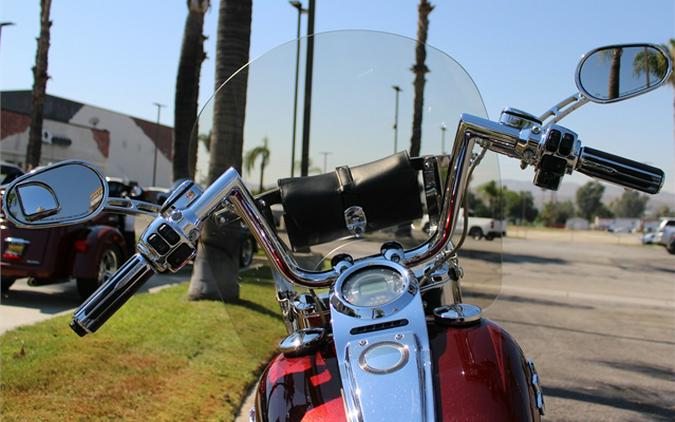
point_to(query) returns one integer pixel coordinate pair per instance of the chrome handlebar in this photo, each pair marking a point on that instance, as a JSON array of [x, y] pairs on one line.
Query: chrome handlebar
[[169, 242], [555, 151]]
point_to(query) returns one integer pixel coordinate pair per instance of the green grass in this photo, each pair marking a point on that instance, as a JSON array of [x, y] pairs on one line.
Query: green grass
[[160, 358]]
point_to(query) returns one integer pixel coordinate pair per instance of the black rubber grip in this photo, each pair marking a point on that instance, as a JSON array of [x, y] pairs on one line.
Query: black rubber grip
[[622, 171], [114, 293]]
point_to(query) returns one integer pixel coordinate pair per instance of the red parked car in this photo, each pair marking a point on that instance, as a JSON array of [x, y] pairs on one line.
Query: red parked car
[[89, 252]]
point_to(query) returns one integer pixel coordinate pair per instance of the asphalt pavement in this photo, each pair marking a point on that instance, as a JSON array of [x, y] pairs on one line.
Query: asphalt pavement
[[599, 321]]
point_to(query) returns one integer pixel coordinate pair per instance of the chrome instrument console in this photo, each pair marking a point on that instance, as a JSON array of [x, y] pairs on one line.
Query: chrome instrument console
[[373, 289], [381, 340]]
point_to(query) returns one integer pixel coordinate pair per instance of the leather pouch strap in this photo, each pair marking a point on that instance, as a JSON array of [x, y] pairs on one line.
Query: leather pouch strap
[[346, 187]]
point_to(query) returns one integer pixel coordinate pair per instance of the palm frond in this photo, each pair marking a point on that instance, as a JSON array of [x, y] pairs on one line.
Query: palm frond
[[252, 155]]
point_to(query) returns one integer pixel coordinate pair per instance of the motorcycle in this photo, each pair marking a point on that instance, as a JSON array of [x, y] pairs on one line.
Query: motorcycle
[[379, 319]]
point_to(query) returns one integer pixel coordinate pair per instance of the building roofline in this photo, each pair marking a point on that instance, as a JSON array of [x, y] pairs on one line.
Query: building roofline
[[60, 98]]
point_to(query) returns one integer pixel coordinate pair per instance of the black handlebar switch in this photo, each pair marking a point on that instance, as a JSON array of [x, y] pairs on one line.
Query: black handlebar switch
[[158, 244], [547, 179], [552, 140], [168, 234], [566, 144], [179, 256], [553, 164], [550, 172]]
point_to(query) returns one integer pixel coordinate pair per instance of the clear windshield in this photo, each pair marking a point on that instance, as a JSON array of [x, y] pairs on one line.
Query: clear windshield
[[363, 96]]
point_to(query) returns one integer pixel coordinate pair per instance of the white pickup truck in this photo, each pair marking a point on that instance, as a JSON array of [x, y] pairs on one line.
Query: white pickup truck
[[479, 227], [668, 239], [665, 234], [482, 227]]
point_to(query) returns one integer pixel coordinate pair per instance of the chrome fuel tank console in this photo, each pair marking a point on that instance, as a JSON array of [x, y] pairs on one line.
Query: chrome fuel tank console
[[381, 340]]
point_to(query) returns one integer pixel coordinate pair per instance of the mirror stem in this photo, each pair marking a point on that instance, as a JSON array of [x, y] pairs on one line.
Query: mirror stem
[[131, 207], [563, 108]]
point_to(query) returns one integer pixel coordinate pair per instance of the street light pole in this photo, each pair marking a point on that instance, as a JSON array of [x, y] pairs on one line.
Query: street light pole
[[309, 69], [298, 6], [325, 160], [3, 24], [398, 90], [443, 129], [154, 161]]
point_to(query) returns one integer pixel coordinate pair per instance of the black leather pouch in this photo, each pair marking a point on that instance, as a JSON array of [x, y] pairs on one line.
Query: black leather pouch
[[387, 191]]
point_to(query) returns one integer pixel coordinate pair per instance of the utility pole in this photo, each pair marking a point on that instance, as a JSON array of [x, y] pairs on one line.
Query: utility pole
[[325, 160], [298, 6], [309, 68], [398, 91], [443, 129], [157, 133]]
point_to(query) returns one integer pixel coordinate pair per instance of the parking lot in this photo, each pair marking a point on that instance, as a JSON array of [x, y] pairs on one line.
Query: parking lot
[[599, 321], [597, 318]]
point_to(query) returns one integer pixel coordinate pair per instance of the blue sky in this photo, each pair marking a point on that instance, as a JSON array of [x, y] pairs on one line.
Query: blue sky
[[122, 55]]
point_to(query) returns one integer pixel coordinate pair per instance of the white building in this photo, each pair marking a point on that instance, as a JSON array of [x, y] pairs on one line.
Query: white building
[[577, 223], [617, 224], [120, 145]]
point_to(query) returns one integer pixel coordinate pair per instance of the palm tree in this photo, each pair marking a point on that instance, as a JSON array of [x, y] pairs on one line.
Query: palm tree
[[251, 156], [614, 74], [650, 63], [420, 69], [187, 90], [34, 147], [670, 48], [654, 64], [217, 264]]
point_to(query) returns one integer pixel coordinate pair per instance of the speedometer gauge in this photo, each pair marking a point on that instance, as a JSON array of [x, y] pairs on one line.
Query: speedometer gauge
[[373, 286]]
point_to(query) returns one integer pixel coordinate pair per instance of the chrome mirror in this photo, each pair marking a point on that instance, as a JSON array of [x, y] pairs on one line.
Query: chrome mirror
[[66, 193], [617, 72]]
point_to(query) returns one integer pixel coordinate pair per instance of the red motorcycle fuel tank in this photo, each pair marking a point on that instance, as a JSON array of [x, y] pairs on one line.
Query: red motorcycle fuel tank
[[480, 374]]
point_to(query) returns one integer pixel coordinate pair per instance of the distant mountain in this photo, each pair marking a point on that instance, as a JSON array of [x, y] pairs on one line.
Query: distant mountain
[[569, 190]]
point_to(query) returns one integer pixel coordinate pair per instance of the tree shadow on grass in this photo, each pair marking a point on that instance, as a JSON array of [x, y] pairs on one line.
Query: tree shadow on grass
[[256, 308]]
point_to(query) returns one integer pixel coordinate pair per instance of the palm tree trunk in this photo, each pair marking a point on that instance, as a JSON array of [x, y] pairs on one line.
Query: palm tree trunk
[[614, 74], [34, 148], [187, 90], [217, 264], [262, 174], [420, 69]]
